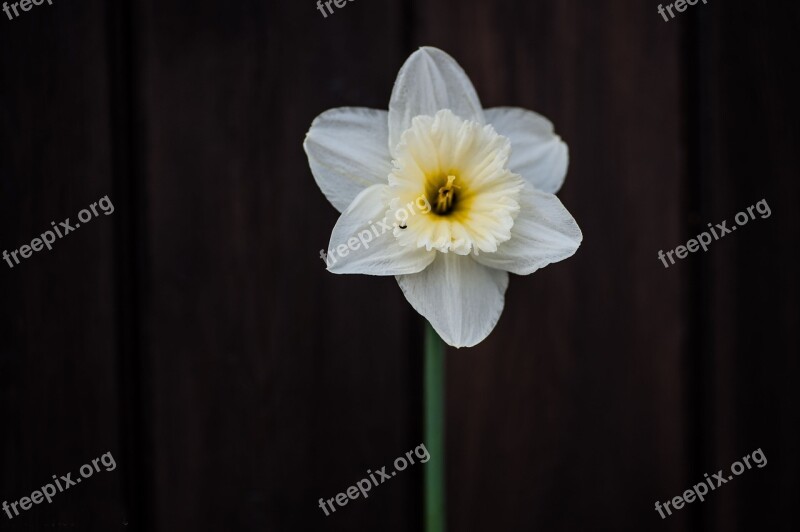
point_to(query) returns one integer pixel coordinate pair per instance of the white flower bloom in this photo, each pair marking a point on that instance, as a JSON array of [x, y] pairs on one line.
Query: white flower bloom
[[475, 188]]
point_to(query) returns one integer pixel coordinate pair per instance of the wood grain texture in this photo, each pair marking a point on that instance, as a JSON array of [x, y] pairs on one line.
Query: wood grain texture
[[196, 334], [275, 383], [754, 339], [58, 373]]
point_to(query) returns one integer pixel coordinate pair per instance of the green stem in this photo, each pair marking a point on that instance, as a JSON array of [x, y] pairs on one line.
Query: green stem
[[434, 431]]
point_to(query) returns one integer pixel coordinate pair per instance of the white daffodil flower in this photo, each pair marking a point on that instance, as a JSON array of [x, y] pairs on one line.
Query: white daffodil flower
[[443, 194]]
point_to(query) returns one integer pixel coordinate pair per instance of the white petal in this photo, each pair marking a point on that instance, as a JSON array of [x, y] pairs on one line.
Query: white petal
[[430, 81], [544, 232], [460, 298], [537, 153], [347, 152], [359, 244]]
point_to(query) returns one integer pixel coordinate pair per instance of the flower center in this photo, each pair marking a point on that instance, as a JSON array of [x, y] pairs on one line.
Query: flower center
[[445, 200], [450, 188]]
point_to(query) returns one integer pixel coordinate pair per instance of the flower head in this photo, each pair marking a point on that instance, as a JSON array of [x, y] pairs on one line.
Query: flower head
[[467, 194]]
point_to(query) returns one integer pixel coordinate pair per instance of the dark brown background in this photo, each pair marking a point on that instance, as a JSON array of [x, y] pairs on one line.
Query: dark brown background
[[196, 335]]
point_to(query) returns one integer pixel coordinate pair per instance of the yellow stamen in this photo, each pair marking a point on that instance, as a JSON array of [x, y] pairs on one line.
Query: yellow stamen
[[444, 201]]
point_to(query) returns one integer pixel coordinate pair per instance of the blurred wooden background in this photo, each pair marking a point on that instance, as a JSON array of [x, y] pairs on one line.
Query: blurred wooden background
[[195, 334]]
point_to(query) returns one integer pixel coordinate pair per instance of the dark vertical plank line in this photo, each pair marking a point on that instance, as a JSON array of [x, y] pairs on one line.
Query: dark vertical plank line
[[129, 253], [699, 351], [409, 16], [755, 288]]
